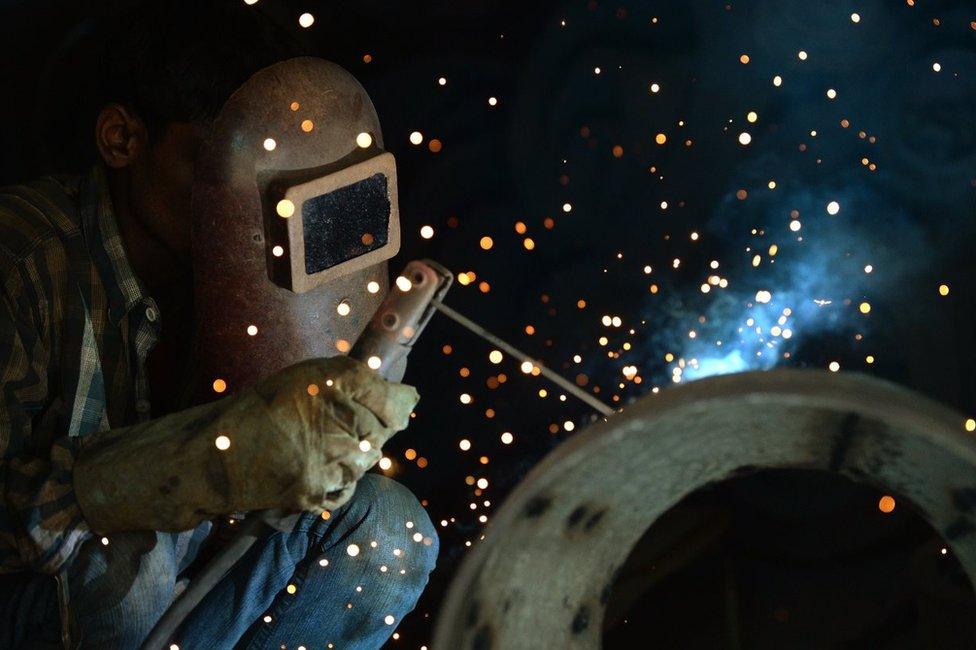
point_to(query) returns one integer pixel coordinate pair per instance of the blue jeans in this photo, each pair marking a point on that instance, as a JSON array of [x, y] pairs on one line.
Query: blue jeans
[[302, 588]]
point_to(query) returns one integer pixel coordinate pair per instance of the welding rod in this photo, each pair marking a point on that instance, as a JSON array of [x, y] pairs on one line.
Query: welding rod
[[551, 375]]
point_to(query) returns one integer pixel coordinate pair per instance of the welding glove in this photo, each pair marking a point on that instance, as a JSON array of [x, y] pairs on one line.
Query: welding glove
[[297, 441]]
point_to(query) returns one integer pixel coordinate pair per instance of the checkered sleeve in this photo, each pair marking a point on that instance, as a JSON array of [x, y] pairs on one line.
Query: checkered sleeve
[[40, 521]]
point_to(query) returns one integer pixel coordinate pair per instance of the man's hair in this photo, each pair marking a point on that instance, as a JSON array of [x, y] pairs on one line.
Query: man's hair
[[180, 60]]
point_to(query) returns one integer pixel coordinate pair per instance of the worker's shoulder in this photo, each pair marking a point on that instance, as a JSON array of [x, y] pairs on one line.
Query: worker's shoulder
[[35, 217]]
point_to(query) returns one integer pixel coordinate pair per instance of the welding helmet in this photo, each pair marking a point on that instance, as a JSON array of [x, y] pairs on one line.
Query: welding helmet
[[294, 216]]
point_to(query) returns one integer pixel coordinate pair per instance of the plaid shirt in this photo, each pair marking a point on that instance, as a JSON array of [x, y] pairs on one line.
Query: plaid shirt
[[75, 329]]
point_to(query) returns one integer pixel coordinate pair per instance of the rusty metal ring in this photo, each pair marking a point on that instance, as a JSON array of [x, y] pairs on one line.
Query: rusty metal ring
[[542, 575]]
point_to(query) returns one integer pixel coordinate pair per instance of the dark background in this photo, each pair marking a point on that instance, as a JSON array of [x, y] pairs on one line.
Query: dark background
[[550, 140]]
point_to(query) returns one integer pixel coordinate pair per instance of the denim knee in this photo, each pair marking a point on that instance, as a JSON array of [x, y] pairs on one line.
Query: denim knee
[[117, 591], [386, 513]]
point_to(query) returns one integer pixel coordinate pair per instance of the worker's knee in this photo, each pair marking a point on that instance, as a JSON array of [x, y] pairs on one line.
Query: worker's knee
[[384, 514], [119, 589], [395, 518]]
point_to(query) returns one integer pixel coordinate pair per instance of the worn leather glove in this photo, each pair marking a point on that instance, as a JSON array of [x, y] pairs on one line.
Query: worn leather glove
[[299, 440]]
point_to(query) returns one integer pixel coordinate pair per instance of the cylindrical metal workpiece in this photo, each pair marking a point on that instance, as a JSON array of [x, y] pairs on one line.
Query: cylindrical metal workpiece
[[544, 571]]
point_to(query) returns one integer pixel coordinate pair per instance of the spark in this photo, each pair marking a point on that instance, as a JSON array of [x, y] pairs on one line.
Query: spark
[[285, 208]]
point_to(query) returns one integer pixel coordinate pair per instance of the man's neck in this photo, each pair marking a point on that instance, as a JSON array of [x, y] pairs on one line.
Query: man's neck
[[152, 261]]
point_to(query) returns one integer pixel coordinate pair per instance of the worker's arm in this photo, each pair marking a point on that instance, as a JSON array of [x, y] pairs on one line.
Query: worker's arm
[[297, 441], [40, 521]]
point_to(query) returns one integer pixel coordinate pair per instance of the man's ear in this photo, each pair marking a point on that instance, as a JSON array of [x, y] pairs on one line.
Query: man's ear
[[120, 135]]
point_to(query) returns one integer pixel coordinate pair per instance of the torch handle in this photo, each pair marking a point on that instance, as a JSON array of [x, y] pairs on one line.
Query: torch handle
[[401, 318]]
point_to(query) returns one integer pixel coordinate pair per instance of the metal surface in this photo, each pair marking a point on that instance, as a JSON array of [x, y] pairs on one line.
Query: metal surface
[[232, 286], [543, 574]]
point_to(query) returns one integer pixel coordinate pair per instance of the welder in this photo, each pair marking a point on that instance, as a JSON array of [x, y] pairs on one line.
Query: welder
[[172, 326]]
